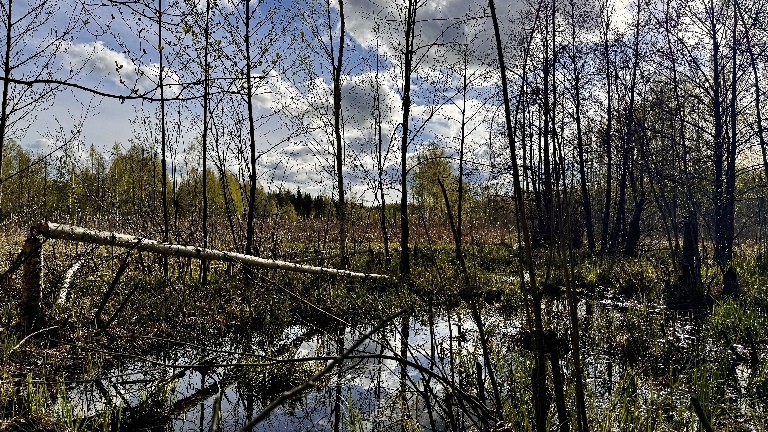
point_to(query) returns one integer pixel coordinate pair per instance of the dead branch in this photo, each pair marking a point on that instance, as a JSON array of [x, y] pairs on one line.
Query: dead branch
[[106, 238]]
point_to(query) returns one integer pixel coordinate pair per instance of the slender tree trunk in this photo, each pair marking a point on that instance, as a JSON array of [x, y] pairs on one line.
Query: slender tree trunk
[[730, 281], [6, 90], [249, 229], [456, 225], [454, 231], [585, 199], [163, 137], [221, 166], [341, 211], [545, 218], [555, 171], [731, 167], [607, 144], [380, 161], [621, 229], [619, 226], [720, 253], [206, 98], [678, 138], [540, 398], [383, 208], [405, 252]]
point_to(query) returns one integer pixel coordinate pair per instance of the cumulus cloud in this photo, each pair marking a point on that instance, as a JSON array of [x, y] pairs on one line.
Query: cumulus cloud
[[379, 24], [96, 61], [40, 145]]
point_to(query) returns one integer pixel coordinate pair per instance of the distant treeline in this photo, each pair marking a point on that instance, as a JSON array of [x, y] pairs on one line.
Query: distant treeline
[[124, 189]]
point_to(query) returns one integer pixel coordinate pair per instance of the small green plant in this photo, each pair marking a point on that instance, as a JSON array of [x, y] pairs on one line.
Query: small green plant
[[35, 401], [355, 417]]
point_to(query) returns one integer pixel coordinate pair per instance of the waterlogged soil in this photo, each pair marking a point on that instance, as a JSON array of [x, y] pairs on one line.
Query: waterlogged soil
[[643, 364]]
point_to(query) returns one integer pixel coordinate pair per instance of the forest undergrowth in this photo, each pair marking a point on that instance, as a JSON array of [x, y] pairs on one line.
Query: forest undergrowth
[[651, 362]]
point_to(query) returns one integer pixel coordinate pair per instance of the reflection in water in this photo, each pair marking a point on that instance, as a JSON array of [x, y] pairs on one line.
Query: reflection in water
[[446, 385], [178, 387]]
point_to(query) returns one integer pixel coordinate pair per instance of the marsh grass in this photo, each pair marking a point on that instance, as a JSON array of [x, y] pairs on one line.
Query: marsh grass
[[643, 360]]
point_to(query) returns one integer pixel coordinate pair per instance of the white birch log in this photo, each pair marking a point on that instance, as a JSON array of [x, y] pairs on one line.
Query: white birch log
[[79, 234]]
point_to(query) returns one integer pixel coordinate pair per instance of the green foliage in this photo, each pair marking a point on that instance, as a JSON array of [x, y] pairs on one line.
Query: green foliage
[[433, 164], [732, 323], [24, 182], [135, 184]]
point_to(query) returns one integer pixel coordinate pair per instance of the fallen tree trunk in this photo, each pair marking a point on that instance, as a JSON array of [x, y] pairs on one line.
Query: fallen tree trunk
[[105, 238]]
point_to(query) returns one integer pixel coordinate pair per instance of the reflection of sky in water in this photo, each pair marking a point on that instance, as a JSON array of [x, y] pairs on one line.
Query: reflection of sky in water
[[369, 386]]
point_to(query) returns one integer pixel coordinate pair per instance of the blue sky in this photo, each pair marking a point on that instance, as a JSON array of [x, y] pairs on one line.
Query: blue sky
[[293, 101]]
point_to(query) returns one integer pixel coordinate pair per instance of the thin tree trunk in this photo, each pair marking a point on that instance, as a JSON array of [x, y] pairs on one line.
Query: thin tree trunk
[[380, 160], [730, 281], [607, 141], [163, 137], [454, 230], [545, 217], [206, 97], [541, 403], [730, 180], [380, 163], [720, 253], [6, 90], [585, 199], [405, 254], [341, 212], [621, 230], [249, 229]]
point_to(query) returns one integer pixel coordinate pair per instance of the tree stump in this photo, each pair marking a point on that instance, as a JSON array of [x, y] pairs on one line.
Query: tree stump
[[31, 312]]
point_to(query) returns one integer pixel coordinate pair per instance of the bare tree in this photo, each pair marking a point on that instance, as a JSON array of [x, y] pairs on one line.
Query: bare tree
[[337, 65], [408, 54], [540, 398], [28, 55]]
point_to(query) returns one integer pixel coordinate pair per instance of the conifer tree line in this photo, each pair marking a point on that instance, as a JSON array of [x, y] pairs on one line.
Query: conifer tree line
[[627, 126]]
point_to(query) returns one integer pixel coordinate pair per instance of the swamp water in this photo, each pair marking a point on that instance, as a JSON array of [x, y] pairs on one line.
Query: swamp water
[[196, 381], [633, 355]]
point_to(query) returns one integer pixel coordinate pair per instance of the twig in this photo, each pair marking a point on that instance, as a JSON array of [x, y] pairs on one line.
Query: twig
[[29, 336]]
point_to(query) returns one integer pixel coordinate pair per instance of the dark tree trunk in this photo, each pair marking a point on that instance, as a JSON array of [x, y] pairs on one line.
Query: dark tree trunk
[[249, 229], [539, 378], [607, 144], [585, 199], [6, 90], [206, 101], [163, 138], [341, 209], [405, 252]]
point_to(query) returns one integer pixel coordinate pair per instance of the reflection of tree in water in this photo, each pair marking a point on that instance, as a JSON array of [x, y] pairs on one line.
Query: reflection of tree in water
[[374, 388]]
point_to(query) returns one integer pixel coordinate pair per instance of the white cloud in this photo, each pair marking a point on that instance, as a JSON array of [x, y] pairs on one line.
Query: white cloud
[[96, 61], [40, 145]]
